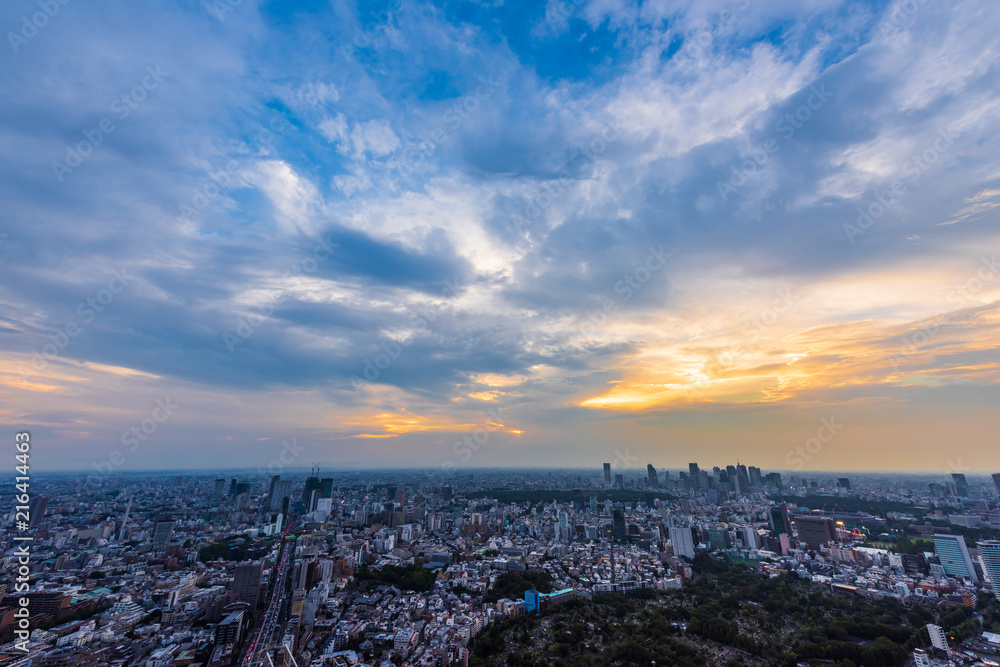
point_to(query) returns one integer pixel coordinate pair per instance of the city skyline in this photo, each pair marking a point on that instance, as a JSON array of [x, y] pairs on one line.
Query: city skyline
[[461, 236]]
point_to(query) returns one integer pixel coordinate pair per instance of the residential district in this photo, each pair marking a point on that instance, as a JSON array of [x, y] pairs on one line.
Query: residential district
[[410, 567]]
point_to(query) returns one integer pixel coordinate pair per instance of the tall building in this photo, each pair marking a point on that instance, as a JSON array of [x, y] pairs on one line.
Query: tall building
[[607, 473], [938, 639], [954, 556], [755, 478], [163, 531], [989, 554], [920, 658], [619, 480], [961, 484], [651, 479], [683, 541], [279, 493], [780, 523], [844, 483], [246, 581], [121, 528], [996, 481], [270, 489], [220, 487], [815, 531], [694, 474], [618, 524], [36, 510]]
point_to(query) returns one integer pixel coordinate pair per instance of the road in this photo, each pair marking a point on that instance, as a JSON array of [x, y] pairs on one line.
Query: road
[[261, 637]]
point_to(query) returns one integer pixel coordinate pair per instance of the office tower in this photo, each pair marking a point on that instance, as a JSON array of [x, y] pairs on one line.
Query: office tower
[[920, 658], [121, 528], [618, 524], [780, 523], [742, 479], [232, 487], [36, 510], [619, 480], [651, 479], [694, 474], [446, 492], [815, 531], [270, 488], [996, 481], [607, 473], [954, 556], [774, 479], [961, 484], [937, 637], [246, 582], [844, 483], [220, 487], [755, 478], [279, 493], [989, 555], [163, 530], [683, 541]]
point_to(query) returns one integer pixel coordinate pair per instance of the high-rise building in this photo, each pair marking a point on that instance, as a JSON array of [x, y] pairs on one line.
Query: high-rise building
[[607, 473], [815, 531], [163, 531], [651, 479], [246, 581], [780, 523], [279, 493], [36, 510], [961, 484], [618, 523], [755, 478], [695, 474], [844, 483], [121, 528], [270, 489], [996, 481], [232, 487], [619, 480], [683, 541], [989, 555], [220, 487], [920, 658], [954, 556], [938, 638]]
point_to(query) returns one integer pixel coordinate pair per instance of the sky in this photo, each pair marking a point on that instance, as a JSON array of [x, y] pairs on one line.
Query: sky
[[468, 234]]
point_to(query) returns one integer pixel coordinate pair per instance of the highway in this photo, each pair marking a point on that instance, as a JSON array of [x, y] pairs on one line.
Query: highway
[[261, 637]]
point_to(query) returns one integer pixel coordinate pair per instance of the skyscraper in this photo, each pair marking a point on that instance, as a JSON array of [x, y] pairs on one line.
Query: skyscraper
[[36, 510], [961, 484], [607, 473], [683, 541], [954, 556], [651, 479], [220, 487], [163, 530], [996, 481], [989, 554], [246, 581]]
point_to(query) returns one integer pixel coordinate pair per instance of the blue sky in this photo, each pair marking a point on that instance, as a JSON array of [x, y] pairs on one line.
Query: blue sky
[[681, 230]]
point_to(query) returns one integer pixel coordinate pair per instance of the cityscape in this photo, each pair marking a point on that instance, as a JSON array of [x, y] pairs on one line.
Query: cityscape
[[327, 568], [500, 333]]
